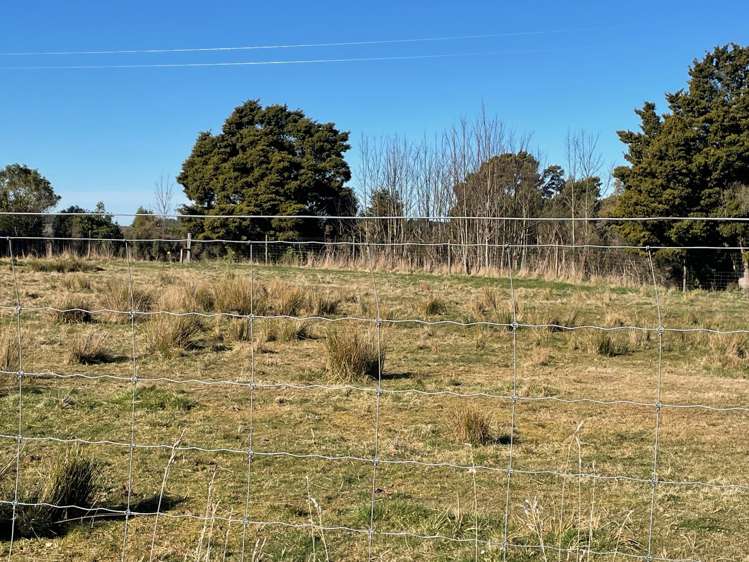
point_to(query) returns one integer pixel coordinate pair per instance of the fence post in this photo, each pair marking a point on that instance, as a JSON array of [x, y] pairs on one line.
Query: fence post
[[266, 249], [188, 250], [486, 255], [449, 259]]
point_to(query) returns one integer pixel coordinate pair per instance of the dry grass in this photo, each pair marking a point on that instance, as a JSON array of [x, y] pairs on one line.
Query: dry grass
[[352, 355], [89, 349], [170, 335], [287, 300], [233, 294], [77, 283], [286, 330], [71, 481], [473, 426], [323, 304], [9, 355], [434, 306], [117, 297], [72, 309], [61, 264]]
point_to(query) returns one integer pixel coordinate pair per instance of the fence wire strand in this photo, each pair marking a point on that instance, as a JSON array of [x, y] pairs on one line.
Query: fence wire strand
[[254, 384]]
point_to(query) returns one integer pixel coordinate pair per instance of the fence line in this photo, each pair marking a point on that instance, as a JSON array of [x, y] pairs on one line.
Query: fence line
[[251, 452]]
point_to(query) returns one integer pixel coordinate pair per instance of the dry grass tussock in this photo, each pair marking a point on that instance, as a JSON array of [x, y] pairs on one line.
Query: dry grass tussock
[[285, 330], [9, 355], [353, 355], [72, 309], [117, 297], [169, 335], [71, 481], [89, 349], [473, 426], [65, 263]]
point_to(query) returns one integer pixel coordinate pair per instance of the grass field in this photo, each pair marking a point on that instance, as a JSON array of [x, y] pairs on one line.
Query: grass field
[[586, 406]]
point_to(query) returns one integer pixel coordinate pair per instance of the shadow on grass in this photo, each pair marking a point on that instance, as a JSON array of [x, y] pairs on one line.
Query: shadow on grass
[[45, 521]]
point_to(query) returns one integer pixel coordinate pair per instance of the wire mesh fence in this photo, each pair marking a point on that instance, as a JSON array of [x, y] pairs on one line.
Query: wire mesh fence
[[506, 412]]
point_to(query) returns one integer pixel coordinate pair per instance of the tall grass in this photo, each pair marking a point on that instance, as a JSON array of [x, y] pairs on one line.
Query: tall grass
[[117, 298], [170, 335], [72, 309], [65, 263], [89, 349], [473, 426], [9, 356], [352, 356]]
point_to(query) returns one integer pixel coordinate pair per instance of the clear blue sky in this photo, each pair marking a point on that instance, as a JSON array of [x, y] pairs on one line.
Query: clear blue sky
[[108, 134]]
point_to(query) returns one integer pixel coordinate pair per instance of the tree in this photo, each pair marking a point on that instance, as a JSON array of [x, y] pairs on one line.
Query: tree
[[82, 223], [267, 161], [684, 162], [23, 190]]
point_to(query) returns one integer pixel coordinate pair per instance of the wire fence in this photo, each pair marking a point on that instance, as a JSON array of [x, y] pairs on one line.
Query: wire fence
[[497, 539]]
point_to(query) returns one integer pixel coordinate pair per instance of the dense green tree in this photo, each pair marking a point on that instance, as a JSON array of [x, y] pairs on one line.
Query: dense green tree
[[94, 224], [687, 162], [23, 190], [267, 161]]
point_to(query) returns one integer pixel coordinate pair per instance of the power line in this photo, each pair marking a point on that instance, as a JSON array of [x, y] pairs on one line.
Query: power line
[[375, 42], [269, 62]]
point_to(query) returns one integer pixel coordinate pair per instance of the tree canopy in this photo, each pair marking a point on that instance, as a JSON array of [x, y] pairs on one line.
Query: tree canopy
[[267, 161], [692, 160], [24, 190]]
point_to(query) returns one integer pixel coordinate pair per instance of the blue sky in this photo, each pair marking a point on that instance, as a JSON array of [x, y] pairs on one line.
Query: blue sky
[[109, 134]]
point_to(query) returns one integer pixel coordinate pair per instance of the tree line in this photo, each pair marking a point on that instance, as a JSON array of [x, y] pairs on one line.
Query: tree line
[[472, 194]]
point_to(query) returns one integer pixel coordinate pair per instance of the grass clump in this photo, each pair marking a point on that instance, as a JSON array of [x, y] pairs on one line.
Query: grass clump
[[473, 426], [9, 356], [62, 264], [188, 297], [169, 335], [233, 294], [353, 356], [285, 330], [435, 306], [77, 283], [154, 399], [117, 298], [287, 300], [72, 309], [89, 349], [74, 481], [607, 346], [323, 304]]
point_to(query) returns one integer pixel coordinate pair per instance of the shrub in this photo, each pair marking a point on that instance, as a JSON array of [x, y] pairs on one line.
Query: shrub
[[89, 349], [352, 356], [473, 426], [168, 335], [72, 309]]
